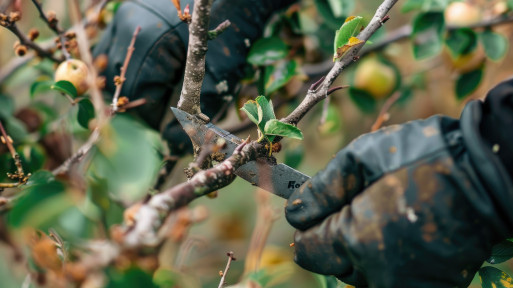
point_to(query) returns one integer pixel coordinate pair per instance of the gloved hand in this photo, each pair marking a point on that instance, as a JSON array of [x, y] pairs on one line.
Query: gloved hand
[[413, 205], [156, 67]]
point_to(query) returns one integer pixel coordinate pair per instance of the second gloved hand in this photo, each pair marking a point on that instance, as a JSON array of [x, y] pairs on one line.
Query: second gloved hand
[[406, 206]]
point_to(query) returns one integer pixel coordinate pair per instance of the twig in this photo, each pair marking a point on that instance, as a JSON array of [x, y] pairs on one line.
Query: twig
[[195, 65], [11, 26], [314, 96], [382, 117], [212, 34], [121, 78], [230, 259], [65, 167], [20, 174], [52, 24]]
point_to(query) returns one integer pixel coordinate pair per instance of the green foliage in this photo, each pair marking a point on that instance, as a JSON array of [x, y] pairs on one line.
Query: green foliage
[[85, 112], [7, 105], [332, 123], [427, 34], [41, 86], [345, 36], [424, 5], [363, 100], [501, 252], [261, 112], [128, 158], [468, 82], [65, 87], [266, 51], [294, 155], [461, 41], [276, 76], [495, 44], [44, 201], [492, 277], [334, 12], [130, 278]]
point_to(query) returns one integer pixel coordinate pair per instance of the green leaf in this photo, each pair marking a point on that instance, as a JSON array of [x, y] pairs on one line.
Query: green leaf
[[424, 5], [326, 281], [294, 155], [65, 87], [427, 34], [468, 83], [32, 157], [350, 28], [277, 128], [492, 277], [251, 109], [16, 129], [266, 51], [130, 278], [128, 157], [43, 201], [363, 100], [85, 112], [501, 252], [332, 123], [495, 44], [40, 86], [7, 106], [327, 14], [461, 41], [276, 76], [341, 8], [265, 111]]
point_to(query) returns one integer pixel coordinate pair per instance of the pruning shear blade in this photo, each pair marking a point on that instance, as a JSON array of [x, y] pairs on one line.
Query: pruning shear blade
[[278, 179]]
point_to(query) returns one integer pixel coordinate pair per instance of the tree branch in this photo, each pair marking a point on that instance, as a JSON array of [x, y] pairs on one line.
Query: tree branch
[[320, 92], [195, 65], [52, 24], [152, 214]]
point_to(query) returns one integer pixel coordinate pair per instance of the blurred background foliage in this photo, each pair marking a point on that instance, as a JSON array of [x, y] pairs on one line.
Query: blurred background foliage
[[432, 62]]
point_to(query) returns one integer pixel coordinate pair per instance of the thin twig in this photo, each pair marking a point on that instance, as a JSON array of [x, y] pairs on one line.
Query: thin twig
[[20, 174], [195, 64], [29, 43], [54, 27], [314, 96], [212, 34], [230, 259], [83, 150], [121, 79], [382, 117]]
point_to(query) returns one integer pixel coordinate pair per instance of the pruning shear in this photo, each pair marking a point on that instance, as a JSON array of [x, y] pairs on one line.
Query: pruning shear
[[279, 179]]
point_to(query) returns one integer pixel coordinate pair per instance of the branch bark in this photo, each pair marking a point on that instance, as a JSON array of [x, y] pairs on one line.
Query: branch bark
[[195, 65]]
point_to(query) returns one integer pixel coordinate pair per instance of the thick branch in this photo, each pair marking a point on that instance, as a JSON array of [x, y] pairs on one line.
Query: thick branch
[[320, 92], [195, 65]]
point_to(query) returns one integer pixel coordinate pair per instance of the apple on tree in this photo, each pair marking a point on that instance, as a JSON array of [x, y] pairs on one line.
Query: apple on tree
[[75, 71]]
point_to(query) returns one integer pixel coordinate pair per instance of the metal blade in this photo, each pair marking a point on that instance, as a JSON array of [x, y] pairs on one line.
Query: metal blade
[[278, 179]]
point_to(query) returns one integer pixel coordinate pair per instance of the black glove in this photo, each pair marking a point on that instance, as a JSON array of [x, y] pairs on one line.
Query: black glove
[[413, 205], [156, 67]]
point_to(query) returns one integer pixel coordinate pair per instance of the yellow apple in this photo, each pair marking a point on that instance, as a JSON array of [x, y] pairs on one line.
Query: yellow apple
[[375, 77], [74, 71], [462, 14]]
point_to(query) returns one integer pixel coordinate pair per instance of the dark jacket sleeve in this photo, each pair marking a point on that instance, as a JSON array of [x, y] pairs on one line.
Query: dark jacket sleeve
[[497, 122]]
